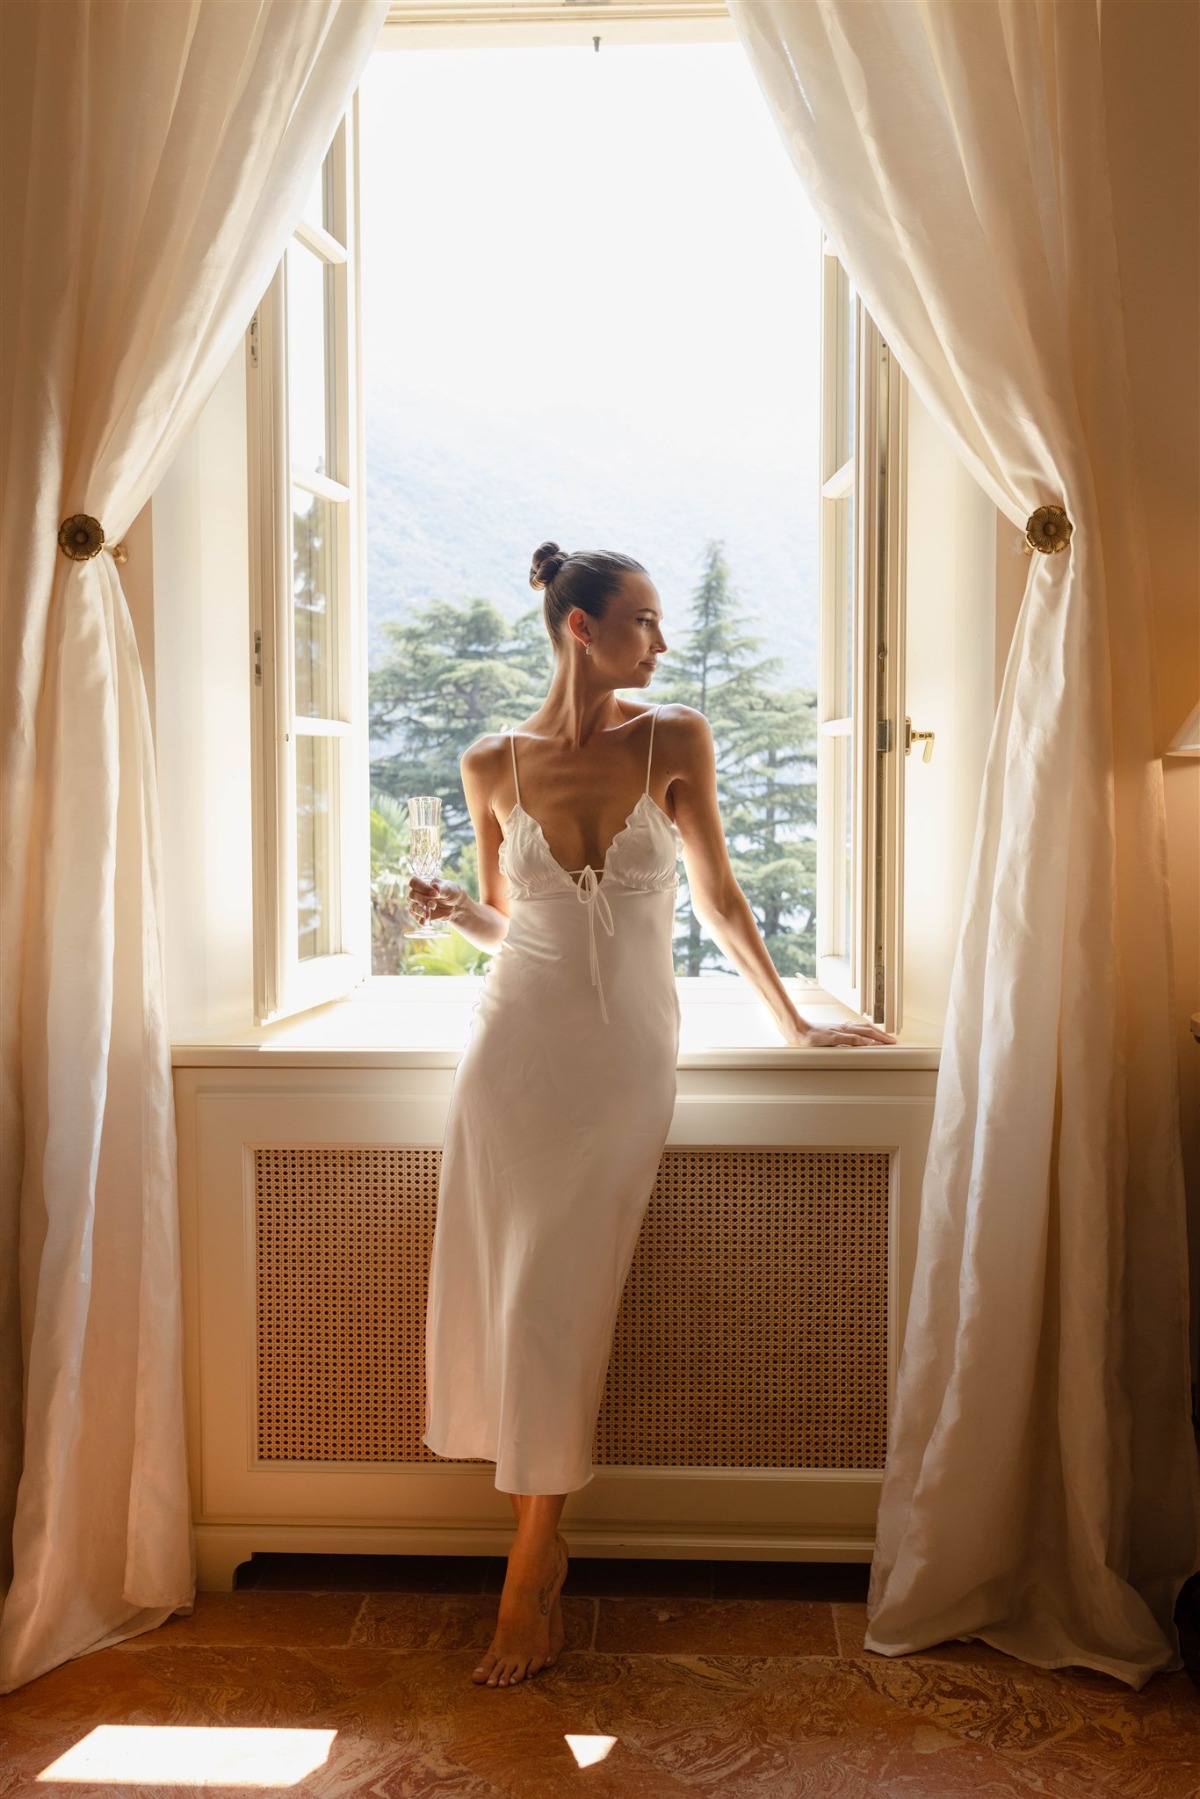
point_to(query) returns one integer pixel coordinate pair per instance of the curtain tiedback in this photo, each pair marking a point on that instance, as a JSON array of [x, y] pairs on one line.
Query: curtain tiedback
[[154, 160], [1041, 1489]]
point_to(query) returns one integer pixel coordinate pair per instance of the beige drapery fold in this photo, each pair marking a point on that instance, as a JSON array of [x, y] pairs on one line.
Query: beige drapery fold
[[1041, 1489], [156, 154]]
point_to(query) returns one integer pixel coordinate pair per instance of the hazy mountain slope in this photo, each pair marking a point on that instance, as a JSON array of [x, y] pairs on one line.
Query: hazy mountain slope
[[457, 500]]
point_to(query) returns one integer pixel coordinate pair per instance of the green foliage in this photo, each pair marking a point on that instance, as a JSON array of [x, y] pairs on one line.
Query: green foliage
[[452, 674], [457, 672], [391, 951], [446, 955], [764, 738]]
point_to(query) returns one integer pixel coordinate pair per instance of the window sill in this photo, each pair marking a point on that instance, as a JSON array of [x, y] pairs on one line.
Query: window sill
[[422, 1022]]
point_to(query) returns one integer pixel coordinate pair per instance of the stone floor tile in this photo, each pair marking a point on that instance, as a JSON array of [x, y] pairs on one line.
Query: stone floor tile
[[429, 1621], [775, 1728], [1012, 1708], [106, 1686], [683, 1626], [1069, 1769], [266, 1617], [788, 1706], [523, 1750]]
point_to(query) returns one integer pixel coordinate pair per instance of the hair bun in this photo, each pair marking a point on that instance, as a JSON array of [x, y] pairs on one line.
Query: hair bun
[[547, 561]]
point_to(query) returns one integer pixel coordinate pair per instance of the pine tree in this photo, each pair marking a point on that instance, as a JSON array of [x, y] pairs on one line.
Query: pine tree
[[764, 739], [453, 673]]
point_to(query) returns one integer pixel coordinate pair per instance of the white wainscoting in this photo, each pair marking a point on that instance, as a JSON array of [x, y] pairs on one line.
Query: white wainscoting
[[243, 1503]]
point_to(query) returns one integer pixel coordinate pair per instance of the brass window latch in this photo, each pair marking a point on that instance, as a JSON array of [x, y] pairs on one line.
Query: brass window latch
[[911, 737]]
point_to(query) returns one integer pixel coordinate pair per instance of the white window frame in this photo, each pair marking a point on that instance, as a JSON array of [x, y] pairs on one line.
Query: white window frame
[[861, 966], [438, 24], [861, 622], [286, 982]]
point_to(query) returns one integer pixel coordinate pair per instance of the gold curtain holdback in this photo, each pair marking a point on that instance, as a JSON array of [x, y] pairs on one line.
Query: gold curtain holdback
[[82, 537], [1048, 530]]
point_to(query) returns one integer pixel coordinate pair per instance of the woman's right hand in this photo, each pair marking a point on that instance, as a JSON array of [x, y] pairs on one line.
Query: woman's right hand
[[433, 899]]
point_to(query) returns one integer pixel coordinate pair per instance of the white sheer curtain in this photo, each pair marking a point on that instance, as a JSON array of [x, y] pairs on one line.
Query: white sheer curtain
[[1041, 1489], [155, 158]]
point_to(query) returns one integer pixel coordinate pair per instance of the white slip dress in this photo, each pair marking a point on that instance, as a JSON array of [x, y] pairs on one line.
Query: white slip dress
[[559, 1111]]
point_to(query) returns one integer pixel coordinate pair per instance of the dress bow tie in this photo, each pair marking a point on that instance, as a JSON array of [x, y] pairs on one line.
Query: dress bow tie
[[590, 894]]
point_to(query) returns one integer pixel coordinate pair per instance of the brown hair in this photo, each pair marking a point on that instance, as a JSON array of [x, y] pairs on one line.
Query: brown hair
[[586, 579]]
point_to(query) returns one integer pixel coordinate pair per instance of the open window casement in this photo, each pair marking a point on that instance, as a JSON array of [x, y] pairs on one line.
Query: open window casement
[[859, 791], [312, 864]]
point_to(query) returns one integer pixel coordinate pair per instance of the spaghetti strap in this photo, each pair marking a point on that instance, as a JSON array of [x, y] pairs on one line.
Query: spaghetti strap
[[650, 757], [512, 744]]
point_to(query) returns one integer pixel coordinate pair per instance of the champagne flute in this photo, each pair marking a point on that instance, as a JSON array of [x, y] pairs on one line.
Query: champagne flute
[[425, 855]]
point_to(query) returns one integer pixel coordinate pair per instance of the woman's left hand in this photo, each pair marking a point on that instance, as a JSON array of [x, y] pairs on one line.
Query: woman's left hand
[[838, 1036]]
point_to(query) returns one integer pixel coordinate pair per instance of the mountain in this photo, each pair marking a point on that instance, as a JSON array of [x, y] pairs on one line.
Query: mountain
[[458, 499]]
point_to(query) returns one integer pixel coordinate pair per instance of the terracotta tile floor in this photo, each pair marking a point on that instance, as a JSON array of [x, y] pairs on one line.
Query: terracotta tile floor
[[724, 1679]]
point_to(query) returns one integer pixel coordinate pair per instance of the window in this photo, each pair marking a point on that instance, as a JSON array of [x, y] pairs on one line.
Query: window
[[813, 816], [861, 656], [307, 563]]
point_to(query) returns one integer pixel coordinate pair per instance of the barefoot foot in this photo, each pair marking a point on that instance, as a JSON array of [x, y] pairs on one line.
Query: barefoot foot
[[525, 1636]]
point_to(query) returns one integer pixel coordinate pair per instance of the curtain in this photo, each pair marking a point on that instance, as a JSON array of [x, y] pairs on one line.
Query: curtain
[[1041, 1490], [155, 158]]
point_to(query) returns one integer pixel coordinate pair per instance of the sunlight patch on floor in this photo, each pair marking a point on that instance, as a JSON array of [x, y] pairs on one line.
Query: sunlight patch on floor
[[588, 1750], [170, 1755]]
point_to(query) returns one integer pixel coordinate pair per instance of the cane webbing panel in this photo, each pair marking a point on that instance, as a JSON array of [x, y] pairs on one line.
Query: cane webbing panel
[[752, 1331]]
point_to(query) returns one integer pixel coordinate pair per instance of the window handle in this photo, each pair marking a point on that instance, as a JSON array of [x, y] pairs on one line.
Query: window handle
[[911, 737]]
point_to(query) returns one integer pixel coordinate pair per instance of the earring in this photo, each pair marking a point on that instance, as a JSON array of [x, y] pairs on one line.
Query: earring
[[587, 649]]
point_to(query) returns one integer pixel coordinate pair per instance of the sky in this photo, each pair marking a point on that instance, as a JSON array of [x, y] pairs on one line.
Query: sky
[[611, 245]]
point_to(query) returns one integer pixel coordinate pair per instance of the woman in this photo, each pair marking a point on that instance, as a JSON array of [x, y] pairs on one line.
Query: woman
[[564, 1095]]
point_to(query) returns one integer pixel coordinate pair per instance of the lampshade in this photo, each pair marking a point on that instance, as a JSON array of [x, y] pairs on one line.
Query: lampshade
[[1186, 741]]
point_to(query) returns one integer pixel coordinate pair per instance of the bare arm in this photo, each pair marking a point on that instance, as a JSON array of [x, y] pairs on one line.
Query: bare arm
[[719, 902], [483, 922]]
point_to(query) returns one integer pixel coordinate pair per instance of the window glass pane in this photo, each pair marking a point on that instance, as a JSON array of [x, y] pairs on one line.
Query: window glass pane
[[850, 340], [846, 842], [310, 373], [846, 559], [657, 395], [316, 772], [314, 207], [314, 573], [840, 700], [842, 398], [842, 845]]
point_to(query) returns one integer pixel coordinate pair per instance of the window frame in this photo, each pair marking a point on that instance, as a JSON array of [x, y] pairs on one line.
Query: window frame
[[861, 638], [860, 969], [286, 982]]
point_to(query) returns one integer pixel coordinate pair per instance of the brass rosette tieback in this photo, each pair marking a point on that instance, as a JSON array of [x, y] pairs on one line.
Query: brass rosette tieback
[[82, 537], [1048, 530]]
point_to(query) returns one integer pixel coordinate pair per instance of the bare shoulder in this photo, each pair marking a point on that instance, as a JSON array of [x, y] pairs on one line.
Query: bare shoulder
[[683, 718], [482, 756], [482, 766], [686, 736]]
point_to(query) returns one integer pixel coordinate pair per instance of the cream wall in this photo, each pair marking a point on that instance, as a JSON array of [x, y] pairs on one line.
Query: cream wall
[[1151, 54], [957, 631]]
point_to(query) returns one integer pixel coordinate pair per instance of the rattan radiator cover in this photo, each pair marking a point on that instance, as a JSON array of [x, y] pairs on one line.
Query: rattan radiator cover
[[752, 1331]]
